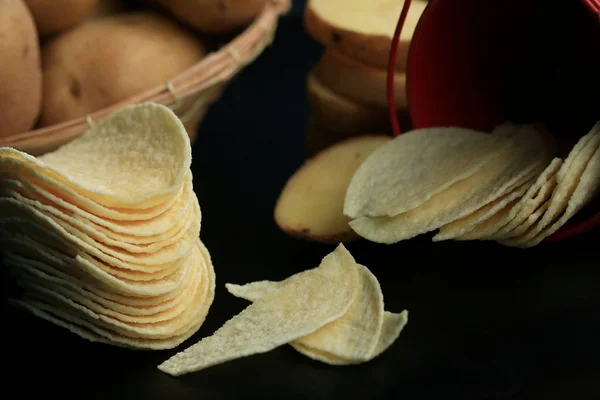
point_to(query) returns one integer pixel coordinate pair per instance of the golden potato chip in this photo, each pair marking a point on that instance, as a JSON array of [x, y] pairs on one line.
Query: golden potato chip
[[587, 188], [69, 286], [521, 229], [93, 332], [50, 230], [310, 205], [527, 157], [144, 148], [353, 336], [393, 324], [31, 251], [408, 170], [513, 216], [310, 301], [568, 178], [461, 226], [100, 239], [138, 230]]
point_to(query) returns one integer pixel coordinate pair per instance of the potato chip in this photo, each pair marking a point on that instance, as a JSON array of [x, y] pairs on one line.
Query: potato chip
[[143, 148], [93, 332], [587, 187], [53, 231], [568, 178], [351, 337], [408, 170], [393, 324], [521, 229], [106, 243], [466, 224], [31, 251], [310, 301], [511, 217], [70, 199], [124, 305], [140, 229], [523, 161], [310, 205]]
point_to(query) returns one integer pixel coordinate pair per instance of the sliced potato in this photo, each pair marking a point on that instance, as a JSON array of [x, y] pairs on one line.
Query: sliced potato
[[341, 114], [311, 203], [358, 81], [363, 29]]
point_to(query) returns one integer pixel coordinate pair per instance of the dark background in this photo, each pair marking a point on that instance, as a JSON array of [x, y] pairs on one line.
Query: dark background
[[486, 322]]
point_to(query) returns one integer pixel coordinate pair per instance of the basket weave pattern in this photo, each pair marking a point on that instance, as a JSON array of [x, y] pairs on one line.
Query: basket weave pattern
[[189, 94]]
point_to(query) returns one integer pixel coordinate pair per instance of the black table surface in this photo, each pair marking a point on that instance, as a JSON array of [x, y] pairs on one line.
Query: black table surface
[[486, 322]]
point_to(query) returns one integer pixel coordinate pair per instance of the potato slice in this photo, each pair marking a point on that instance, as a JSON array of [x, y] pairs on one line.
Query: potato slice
[[362, 29], [310, 205], [342, 115], [358, 81]]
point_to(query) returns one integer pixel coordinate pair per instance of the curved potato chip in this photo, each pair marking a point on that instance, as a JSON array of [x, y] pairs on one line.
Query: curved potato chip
[[537, 194], [523, 161], [100, 239], [155, 227], [568, 177], [409, 170], [587, 188], [317, 297], [91, 332], [32, 251], [351, 337], [136, 157], [21, 215], [466, 224]]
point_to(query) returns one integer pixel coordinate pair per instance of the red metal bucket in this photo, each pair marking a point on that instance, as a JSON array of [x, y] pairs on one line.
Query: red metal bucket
[[476, 64]]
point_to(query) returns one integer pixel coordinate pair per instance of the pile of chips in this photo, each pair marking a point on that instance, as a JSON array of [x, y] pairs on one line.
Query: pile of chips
[[102, 234], [506, 186], [333, 313]]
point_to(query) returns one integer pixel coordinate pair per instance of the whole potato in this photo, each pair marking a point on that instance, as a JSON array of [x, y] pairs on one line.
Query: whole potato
[[215, 16], [104, 61], [54, 16], [20, 72]]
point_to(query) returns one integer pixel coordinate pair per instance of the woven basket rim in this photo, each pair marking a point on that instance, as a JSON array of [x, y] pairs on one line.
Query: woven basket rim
[[212, 72]]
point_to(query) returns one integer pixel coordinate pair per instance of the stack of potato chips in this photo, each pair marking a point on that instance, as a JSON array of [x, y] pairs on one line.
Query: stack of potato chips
[[103, 233]]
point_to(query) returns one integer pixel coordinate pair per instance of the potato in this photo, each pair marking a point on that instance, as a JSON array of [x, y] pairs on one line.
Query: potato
[[54, 16], [107, 7], [107, 60], [312, 201], [215, 16], [20, 74]]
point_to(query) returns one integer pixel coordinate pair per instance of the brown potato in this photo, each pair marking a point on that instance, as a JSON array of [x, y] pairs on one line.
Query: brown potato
[[107, 60], [215, 16], [311, 204], [54, 16], [20, 74]]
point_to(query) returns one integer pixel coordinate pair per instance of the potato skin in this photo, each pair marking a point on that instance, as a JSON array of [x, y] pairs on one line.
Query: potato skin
[[54, 16], [104, 61], [20, 75], [214, 16]]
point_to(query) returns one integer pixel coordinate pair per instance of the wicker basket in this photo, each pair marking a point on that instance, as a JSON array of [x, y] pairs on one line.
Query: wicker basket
[[189, 94]]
